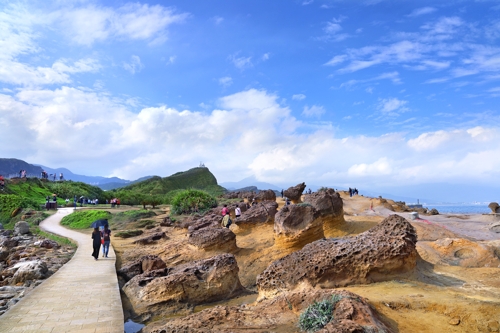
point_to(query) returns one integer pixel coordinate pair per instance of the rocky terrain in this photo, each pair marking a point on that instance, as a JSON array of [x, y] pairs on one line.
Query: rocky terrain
[[26, 260], [437, 273]]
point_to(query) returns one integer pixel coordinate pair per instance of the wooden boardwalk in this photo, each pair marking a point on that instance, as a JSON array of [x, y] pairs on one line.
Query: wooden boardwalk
[[82, 296]]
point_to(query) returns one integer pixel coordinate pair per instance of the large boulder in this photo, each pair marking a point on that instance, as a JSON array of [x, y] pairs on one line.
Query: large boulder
[[495, 208], [21, 228], [142, 265], [297, 225], [213, 239], [29, 270], [331, 208], [262, 212], [295, 192], [381, 253], [151, 238], [183, 287], [267, 195]]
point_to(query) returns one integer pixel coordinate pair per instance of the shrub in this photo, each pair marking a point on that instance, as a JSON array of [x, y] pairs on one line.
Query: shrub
[[318, 314], [191, 201], [82, 219], [128, 233], [145, 223]]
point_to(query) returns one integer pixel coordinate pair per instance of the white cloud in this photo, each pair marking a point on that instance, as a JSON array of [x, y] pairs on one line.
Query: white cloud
[[336, 60], [392, 106], [265, 56], [135, 65], [422, 11], [313, 111], [307, 2], [89, 23], [241, 62], [217, 20], [298, 97], [226, 81], [377, 168]]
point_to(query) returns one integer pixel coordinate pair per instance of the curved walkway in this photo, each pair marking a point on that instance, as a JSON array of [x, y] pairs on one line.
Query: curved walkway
[[82, 296]]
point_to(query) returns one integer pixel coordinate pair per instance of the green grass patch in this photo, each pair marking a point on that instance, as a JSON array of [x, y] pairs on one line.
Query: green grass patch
[[128, 233], [82, 219], [318, 314], [145, 223], [59, 239]]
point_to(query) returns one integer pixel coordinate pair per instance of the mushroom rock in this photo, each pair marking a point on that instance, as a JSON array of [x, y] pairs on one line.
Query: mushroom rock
[[378, 254], [331, 208], [213, 239], [295, 192], [267, 195], [495, 208], [263, 212], [143, 264], [297, 225], [181, 288]]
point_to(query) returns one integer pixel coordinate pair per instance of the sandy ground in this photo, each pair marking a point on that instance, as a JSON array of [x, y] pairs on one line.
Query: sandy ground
[[449, 291]]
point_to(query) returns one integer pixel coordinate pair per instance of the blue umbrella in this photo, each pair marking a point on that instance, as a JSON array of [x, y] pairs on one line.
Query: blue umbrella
[[99, 223]]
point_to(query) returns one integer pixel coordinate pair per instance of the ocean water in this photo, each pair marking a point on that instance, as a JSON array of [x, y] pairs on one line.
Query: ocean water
[[460, 209]]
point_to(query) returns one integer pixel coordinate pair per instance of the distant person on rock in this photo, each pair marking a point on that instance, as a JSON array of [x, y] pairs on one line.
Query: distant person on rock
[[96, 243], [237, 211], [282, 194], [61, 177], [105, 234], [225, 211], [2, 182]]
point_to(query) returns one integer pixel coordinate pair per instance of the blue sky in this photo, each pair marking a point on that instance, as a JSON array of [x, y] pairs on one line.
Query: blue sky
[[372, 94]]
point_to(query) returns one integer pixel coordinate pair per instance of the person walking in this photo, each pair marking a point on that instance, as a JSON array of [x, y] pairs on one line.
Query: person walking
[[2, 182], [237, 211], [225, 211], [106, 234], [96, 243]]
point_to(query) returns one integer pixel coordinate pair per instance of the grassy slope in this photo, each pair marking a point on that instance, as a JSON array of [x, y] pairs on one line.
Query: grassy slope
[[197, 178]]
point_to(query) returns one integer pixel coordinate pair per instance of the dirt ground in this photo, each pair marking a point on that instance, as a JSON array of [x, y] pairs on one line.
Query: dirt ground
[[450, 297]]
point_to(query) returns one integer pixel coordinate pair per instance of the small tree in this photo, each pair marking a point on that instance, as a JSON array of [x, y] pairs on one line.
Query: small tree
[[190, 201]]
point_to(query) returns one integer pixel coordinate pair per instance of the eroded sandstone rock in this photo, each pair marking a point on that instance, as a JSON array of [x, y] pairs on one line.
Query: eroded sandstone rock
[[331, 208], [29, 270], [210, 239], [295, 192], [151, 238], [263, 212], [297, 225], [495, 227], [184, 286], [495, 208], [379, 254], [352, 313], [267, 195], [142, 265]]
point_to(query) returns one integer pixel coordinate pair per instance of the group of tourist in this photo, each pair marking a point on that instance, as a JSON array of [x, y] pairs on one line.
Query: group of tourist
[[115, 202], [45, 175], [353, 191], [22, 173], [101, 237]]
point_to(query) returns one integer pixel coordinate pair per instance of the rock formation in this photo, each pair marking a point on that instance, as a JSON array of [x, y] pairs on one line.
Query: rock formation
[[21, 228], [169, 291], [495, 226], [331, 208], [213, 239], [495, 208], [142, 265], [29, 270], [151, 238], [263, 212], [379, 254], [351, 314], [458, 252], [297, 225], [267, 195], [295, 192]]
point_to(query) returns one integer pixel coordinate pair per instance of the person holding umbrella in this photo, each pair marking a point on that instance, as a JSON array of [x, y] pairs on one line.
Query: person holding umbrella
[[96, 243]]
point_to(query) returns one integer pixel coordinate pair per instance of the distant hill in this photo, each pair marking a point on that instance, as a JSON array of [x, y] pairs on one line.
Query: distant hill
[[250, 181], [115, 185], [196, 178], [92, 180], [12, 166]]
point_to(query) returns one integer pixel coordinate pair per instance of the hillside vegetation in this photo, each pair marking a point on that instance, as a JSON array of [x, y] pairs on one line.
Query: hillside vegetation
[[196, 178]]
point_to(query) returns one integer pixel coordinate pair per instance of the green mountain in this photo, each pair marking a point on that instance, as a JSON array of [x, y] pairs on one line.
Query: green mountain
[[196, 178]]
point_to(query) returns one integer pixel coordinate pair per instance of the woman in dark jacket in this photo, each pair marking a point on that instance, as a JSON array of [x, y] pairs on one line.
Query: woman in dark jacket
[[96, 236]]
